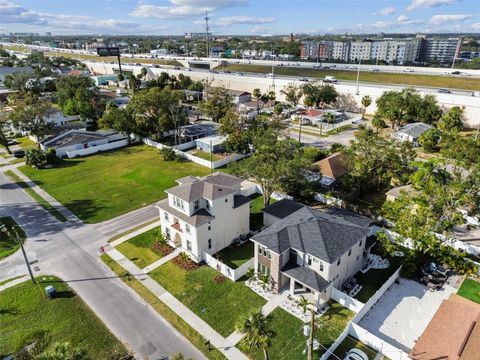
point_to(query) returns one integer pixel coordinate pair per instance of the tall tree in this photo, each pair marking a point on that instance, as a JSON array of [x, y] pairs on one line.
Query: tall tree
[[133, 83], [4, 122], [77, 96], [378, 123], [293, 93], [217, 104], [366, 102], [32, 118], [257, 330], [399, 107], [319, 95], [452, 121], [119, 120]]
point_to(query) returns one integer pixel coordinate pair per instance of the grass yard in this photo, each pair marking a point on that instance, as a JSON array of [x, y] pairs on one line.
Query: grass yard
[[349, 343], [256, 215], [288, 341], [205, 155], [25, 311], [176, 321], [373, 279], [103, 186], [44, 203], [9, 246], [139, 248], [25, 143], [220, 305], [235, 256], [332, 323], [366, 76], [470, 289]]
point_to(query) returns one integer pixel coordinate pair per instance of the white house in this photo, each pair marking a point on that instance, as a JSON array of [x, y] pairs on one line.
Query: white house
[[204, 215], [310, 251], [411, 132]]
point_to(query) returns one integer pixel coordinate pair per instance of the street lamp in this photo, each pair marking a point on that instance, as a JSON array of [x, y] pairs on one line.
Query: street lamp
[[358, 75], [4, 229]]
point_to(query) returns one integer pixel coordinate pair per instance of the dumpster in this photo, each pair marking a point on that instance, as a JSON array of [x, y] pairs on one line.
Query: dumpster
[[50, 290]]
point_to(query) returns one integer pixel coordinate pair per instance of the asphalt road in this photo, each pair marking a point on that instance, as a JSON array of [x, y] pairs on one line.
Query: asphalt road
[[69, 251]]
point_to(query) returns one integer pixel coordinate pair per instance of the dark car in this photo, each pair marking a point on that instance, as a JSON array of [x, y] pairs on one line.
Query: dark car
[[303, 79], [19, 153], [156, 66], [11, 142], [444, 91]]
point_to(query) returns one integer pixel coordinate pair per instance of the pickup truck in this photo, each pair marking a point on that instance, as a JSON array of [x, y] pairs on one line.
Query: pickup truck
[[329, 79]]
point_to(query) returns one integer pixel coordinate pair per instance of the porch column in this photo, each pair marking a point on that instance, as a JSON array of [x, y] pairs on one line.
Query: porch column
[[292, 286]]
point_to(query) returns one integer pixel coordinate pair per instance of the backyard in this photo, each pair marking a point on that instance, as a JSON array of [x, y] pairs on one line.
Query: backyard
[[349, 343], [256, 215], [139, 248], [235, 256], [219, 303], [470, 289], [7, 245], [205, 155], [26, 311], [103, 186], [332, 323]]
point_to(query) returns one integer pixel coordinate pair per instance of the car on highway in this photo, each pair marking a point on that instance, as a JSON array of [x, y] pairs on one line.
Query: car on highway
[[156, 66], [355, 354], [177, 67], [455, 73], [409, 70], [239, 73], [303, 79], [444, 91], [374, 70], [270, 76], [329, 79], [317, 66], [138, 64]]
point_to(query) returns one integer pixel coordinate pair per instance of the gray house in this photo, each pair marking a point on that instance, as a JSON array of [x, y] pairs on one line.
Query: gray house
[[411, 132]]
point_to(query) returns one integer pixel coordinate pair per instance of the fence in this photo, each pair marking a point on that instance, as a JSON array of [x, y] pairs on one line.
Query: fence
[[232, 274], [95, 149], [347, 301], [337, 342]]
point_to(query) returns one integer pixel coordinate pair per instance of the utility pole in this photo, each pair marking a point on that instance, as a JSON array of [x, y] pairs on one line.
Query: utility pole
[[273, 72], [312, 337], [4, 229], [358, 75], [206, 32]]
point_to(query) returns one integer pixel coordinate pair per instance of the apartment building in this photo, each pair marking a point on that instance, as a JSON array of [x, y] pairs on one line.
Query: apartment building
[[440, 50], [360, 50]]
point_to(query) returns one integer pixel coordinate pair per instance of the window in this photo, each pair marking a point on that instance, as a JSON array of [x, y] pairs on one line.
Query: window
[[338, 262], [209, 227], [226, 199], [178, 203], [187, 228], [321, 266], [196, 205], [349, 252], [209, 243], [167, 233], [189, 245], [263, 269], [309, 260], [166, 216], [360, 243], [208, 205]]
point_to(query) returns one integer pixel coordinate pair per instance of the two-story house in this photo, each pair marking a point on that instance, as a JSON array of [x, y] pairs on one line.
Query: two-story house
[[204, 215], [310, 250]]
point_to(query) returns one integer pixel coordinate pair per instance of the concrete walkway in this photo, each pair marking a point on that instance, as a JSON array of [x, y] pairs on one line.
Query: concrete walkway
[[46, 196], [160, 262], [216, 340], [135, 233], [12, 283]]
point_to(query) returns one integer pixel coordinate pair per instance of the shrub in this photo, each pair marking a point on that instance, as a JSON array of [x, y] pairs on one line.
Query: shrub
[[51, 156], [169, 154], [35, 157]]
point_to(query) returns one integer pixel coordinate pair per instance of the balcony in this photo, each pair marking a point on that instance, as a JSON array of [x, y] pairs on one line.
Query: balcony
[[177, 227]]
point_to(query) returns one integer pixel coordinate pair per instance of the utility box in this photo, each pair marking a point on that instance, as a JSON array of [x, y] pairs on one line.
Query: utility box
[[51, 292]]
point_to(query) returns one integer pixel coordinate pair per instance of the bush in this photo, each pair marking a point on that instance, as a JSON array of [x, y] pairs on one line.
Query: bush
[[35, 157], [169, 154], [51, 156]]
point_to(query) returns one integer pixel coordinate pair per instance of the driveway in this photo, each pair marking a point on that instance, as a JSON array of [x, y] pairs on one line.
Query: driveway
[[404, 311]]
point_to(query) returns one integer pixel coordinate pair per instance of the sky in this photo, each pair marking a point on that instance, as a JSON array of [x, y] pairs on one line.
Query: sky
[[239, 17]]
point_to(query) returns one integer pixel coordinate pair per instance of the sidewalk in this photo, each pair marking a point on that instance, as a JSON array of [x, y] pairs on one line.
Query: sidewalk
[[13, 283], [135, 233], [160, 262], [222, 344], [46, 196]]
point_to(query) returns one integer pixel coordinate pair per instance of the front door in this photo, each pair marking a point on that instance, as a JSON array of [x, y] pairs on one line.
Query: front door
[[178, 240]]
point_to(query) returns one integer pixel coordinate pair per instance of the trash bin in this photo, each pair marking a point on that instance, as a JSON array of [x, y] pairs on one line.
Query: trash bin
[[50, 290]]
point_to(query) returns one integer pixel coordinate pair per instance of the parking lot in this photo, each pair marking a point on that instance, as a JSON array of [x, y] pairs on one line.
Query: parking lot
[[404, 311]]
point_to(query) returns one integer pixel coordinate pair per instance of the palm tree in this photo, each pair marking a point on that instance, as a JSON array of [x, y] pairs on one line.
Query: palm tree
[[304, 304], [258, 333], [250, 275], [366, 102], [257, 94], [330, 118], [265, 280], [307, 305]]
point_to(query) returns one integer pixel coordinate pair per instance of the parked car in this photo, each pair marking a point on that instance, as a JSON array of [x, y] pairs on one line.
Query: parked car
[[317, 65], [19, 153], [444, 91], [177, 67], [11, 142], [303, 79], [355, 354]]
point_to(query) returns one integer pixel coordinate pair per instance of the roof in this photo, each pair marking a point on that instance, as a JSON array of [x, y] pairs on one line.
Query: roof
[[282, 208], [210, 187], [237, 92], [311, 113], [7, 70], [414, 129], [306, 276], [197, 130], [333, 166], [199, 218], [395, 192], [213, 140], [453, 333], [73, 137], [326, 234], [239, 200]]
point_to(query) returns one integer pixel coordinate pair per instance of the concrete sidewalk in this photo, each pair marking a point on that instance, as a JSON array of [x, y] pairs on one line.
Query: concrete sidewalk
[[217, 341], [13, 283], [160, 262], [135, 233]]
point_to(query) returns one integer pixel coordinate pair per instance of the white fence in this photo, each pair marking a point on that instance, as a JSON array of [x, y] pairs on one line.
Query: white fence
[[337, 342], [232, 274], [376, 343], [95, 149], [178, 150], [347, 301]]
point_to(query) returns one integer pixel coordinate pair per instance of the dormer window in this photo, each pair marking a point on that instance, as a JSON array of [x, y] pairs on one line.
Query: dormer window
[[178, 203], [208, 205], [196, 205]]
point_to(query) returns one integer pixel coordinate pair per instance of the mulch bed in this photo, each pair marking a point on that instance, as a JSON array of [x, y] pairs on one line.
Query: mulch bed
[[162, 248], [185, 264], [219, 279]]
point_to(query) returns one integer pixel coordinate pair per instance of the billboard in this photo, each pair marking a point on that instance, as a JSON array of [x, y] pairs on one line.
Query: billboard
[[108, 51]]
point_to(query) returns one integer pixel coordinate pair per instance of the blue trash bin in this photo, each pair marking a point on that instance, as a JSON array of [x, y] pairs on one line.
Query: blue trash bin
[[50, 290]]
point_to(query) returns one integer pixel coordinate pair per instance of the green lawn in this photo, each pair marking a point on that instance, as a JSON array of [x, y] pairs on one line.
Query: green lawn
[[366, 76], [176, 321], [332, 323], [288, 341], [373, 279], [26, 143], [350, 343], [256, 215], [139, 248], [7, 245], [220, 305], [25, 311], [44, 203], [103, 186], [470, 289], [235, 256], [205, 155]]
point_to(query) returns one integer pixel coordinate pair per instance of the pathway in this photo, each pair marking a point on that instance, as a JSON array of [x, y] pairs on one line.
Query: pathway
[[135, 233]]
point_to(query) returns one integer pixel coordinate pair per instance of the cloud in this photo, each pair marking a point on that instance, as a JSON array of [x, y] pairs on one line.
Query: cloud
[[380, 25], [389, 10], [405, 20], [13, 13], [475, 26], [183, 8], [233, 20], [261, 30], [415, 4], [442, 19]]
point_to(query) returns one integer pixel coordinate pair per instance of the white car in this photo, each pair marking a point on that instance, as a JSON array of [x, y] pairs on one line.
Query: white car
[[356, 354], [409, 70]]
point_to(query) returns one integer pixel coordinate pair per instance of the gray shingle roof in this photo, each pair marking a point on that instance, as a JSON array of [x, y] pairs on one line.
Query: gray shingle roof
[[209, 187], [414, 129], [282, 208], [306, 276], [239, 200], [199, 218], [324, 234]]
